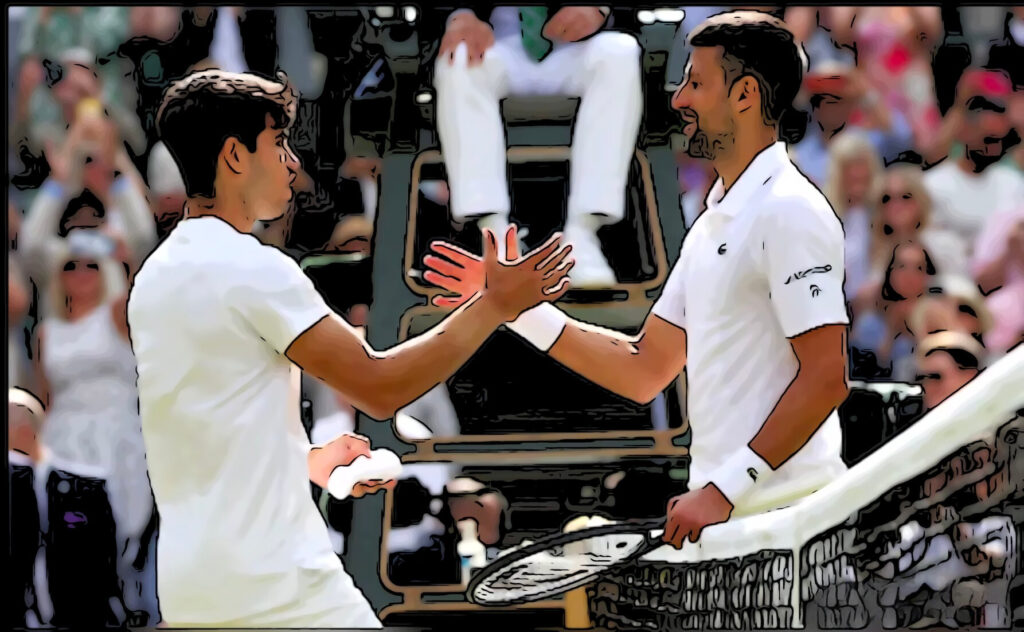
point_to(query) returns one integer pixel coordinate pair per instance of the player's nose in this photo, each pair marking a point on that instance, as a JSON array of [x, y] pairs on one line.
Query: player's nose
[[680, 99]]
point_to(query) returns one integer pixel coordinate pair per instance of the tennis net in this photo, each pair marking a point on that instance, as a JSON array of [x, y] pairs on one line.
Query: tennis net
[[922, 533]]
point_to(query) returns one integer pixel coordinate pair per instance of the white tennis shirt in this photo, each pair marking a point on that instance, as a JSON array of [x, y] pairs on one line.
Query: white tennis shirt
[[762, 264], [241, 541]]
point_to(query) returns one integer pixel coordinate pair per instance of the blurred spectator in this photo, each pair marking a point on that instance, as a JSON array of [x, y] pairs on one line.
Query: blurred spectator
[[952, 304], [971, 315], [894, 49], [95, 470], [525, 51], [92, 162], [998, 267], [68, 53], [946, 362], [905, 213], [881, 337], [24, 421], [970, 185], [80, 254], [842, 101], [854, 176]]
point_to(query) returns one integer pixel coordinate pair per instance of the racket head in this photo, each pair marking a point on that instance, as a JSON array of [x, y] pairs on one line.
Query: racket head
[[561, 562]]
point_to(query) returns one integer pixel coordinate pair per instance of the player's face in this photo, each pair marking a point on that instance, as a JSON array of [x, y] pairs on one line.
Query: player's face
[[274, 168], [703, 103]]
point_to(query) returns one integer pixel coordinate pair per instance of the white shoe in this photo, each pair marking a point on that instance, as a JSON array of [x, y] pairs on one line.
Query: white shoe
[[591, 271]]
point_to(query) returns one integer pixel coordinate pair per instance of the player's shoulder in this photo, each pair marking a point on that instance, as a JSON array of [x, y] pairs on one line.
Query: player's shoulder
[[792, 200]]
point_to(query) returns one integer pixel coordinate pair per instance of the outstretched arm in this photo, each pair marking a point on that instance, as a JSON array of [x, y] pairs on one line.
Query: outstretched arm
[[635, 367], [381, 382]]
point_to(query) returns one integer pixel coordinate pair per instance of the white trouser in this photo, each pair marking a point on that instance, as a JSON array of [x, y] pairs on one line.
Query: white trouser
[[604, 71]]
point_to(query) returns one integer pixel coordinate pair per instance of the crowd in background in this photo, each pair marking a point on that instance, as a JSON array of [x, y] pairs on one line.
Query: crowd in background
[[915, 115]]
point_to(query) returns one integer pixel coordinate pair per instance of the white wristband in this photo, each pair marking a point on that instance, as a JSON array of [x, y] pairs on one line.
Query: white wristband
[[540, 326], [740, 474]]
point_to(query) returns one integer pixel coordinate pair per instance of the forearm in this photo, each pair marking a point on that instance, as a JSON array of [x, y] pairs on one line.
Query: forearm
[[128, 195], [381, 382], [801, 410], [407, 371], [607, 358], [39, 232]]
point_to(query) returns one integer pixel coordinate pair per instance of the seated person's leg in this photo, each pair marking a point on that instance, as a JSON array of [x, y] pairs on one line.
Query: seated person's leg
[[472, 135], [605, 72]]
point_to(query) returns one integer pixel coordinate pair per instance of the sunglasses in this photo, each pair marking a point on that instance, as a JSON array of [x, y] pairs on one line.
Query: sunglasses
[[71, 266], [889, 197]]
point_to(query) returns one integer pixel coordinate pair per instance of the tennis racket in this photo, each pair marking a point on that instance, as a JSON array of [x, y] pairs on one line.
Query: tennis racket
[[560, 562]]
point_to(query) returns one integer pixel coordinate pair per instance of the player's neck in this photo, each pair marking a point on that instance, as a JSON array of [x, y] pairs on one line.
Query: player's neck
[[228, 208], [732, 165]]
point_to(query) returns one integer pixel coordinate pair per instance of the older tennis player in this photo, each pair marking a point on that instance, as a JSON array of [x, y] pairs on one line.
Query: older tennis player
[[754, 308]]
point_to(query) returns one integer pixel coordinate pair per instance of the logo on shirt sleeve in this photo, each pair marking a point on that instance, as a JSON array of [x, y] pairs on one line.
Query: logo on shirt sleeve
[[816, 270], [815, 290]]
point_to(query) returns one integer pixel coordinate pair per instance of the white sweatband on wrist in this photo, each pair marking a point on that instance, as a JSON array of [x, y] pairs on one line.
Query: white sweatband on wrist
[[540, 326], [738, 476]]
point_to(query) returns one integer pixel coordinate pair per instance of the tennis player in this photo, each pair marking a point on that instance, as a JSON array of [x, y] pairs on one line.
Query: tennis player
[[754, 307], [220, 325]]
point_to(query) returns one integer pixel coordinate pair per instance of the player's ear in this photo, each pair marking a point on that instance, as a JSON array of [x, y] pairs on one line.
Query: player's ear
[[745, 94], [234, 155]]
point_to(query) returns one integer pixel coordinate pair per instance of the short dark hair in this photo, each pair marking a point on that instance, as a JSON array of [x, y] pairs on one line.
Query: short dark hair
[[759, 45], [201, 111]]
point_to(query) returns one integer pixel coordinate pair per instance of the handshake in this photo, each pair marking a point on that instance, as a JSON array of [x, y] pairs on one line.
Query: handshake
[[516, 283]]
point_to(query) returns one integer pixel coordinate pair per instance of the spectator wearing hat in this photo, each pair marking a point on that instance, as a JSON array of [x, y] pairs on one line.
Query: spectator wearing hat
[[970, 187], [946, 362]]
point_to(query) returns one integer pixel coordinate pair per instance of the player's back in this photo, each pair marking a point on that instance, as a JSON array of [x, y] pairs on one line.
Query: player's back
[[219, 407]]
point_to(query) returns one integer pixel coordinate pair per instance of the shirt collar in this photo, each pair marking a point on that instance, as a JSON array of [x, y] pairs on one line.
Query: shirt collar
[[762, 168]]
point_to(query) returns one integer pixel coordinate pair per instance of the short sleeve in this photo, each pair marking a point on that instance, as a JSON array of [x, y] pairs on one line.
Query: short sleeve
[[276, 298], [671, 305], [803, 248]]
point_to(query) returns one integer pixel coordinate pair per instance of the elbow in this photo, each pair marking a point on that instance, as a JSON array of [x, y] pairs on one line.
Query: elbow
[[380, 407], [643, 390], [837, 389]]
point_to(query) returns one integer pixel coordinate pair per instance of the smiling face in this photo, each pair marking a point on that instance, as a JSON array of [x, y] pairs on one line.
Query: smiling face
[[704, 105]]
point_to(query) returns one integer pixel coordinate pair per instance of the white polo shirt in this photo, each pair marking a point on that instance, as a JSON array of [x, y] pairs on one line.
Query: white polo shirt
[[763, 263], [241, 542]]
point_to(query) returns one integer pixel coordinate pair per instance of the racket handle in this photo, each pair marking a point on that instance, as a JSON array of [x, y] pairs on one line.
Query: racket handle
[[382, 465]]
